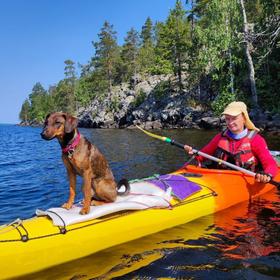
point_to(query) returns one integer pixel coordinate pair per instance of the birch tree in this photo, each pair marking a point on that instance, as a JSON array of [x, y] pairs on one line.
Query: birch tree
[[247, 47], [216, 44]]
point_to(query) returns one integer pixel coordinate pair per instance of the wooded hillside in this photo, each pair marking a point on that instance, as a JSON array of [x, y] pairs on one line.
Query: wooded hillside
[[231, 46]]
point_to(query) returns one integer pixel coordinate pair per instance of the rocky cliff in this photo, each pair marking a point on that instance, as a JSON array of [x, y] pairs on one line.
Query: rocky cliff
[[152, 102], [155, 103]]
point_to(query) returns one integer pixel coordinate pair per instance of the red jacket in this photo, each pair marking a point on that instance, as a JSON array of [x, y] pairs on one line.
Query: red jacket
[[259, 149]]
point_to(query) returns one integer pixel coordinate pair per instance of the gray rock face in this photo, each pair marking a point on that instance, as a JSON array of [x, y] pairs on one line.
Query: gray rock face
[[154, 103]]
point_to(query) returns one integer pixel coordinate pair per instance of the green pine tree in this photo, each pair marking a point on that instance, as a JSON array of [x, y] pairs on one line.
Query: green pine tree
[[129, 55], [39, 103], [106, 54], [146, 56], [173, 43], [25, 111]]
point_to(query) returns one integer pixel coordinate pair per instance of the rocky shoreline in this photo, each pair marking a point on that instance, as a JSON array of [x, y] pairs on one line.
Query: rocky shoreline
[[154, 104]]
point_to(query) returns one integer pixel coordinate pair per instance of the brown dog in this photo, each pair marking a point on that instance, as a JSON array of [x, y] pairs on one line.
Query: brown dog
[[82, 158]]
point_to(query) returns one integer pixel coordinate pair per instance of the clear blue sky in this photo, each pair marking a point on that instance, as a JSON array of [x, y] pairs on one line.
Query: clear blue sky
[[37, 36]]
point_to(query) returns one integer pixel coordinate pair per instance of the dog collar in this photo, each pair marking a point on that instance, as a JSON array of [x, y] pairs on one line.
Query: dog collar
[[69, 149]]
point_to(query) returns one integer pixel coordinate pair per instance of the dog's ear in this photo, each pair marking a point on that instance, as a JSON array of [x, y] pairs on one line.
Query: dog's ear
[[70, 123], [46, 119], [47, 116]]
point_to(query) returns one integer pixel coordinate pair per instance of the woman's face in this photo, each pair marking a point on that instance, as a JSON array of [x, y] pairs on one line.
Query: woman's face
[[235, 123]]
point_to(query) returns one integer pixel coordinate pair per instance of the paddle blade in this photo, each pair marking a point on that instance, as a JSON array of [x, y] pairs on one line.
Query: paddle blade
[[162, 138]]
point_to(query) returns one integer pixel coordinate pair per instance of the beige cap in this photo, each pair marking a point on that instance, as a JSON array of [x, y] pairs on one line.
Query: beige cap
[[237, 107]]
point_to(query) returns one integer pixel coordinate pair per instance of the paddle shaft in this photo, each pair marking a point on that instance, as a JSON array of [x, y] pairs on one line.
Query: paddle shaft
[[233, 166]]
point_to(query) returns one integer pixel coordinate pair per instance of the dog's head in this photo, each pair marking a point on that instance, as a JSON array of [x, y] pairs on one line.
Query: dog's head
[[57, 125]]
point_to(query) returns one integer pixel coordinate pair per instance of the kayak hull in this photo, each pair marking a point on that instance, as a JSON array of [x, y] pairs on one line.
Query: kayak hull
[[37, 244]]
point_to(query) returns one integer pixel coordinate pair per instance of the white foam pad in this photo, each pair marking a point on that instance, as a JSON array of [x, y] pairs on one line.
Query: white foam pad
[[142, 195]]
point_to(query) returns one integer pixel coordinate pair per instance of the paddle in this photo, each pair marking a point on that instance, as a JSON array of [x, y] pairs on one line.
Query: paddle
[[179, 145]]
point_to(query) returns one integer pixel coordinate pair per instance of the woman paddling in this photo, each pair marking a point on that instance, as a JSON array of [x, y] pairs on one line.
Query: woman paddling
[[240, 144]]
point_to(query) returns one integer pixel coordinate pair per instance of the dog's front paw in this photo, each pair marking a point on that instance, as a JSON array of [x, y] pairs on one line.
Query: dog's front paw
[[85, 210], [67, 205], [97, 203]]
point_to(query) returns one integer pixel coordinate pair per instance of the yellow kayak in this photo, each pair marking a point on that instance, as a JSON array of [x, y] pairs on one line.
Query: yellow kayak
[[35, 244]]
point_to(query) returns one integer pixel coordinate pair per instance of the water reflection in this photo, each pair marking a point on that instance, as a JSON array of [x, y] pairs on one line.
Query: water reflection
[[123, 259], [242, 243], [247, 233]]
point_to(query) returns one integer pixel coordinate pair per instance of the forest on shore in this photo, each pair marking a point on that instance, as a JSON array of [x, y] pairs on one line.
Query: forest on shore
[[232, 46]]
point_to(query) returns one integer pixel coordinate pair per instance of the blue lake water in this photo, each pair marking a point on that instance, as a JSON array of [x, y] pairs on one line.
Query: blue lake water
[[33, 176]]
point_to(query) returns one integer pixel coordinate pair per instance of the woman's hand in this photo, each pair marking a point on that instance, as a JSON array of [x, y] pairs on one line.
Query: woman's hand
[[263, 178], [188, 149]]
